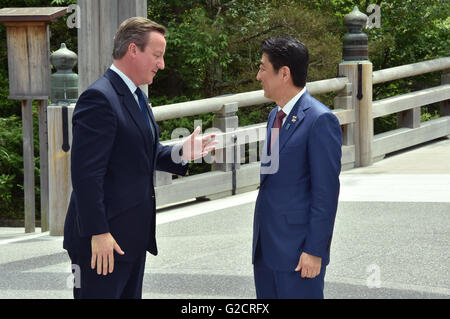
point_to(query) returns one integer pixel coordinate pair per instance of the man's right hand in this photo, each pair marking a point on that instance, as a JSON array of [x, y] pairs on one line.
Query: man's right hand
[[103, 247]]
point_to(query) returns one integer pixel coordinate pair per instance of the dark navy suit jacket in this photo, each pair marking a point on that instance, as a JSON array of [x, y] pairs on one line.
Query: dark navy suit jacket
[[297, 202], [112, 163]]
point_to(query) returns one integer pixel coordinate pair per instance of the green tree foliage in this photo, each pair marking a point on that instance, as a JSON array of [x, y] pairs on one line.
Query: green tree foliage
[[411, 31], [11, 166]]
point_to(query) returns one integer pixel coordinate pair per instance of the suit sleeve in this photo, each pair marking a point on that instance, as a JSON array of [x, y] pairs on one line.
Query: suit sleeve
[[324, 151], [94, 129], [168, 159]]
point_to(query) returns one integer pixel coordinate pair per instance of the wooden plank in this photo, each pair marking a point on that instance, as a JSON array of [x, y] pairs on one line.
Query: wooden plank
[[403, 71], [348, 155], [401, 138], [141, 8], [409, 118], [32, 14], [345, 116], [18, 64], [43, 155], [28, 165], [39, 60], [206, 184], [126, 9], [343, 102], [445, 105], [408, 101], [88, 44], [328, 85], [109, 23], [365, 116], [350, 134]]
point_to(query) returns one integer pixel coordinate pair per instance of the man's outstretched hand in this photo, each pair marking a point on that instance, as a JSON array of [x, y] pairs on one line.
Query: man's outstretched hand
[[195, 147]]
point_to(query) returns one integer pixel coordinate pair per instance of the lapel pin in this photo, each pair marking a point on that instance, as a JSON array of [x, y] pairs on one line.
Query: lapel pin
[[294, 119], [288, 125]]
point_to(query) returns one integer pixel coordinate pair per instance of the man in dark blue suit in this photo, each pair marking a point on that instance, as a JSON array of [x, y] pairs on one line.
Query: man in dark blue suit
[[110, 223], [298, 195]]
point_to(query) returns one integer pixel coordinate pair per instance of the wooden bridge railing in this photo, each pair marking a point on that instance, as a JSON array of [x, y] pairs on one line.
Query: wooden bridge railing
[[410, 130]]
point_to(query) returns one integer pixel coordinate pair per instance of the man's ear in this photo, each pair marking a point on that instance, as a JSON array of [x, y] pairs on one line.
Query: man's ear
[[132, 49], [285, 73]]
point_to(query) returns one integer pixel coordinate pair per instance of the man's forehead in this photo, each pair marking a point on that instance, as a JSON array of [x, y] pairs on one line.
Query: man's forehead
[[264, 59], [156, 42]]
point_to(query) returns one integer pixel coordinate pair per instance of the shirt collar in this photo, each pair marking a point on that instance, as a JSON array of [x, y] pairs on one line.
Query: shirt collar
[[125, 78], [289, 105]]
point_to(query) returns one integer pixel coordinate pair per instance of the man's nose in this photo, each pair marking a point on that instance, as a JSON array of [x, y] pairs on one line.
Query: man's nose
[[161, 64], [258, 78]]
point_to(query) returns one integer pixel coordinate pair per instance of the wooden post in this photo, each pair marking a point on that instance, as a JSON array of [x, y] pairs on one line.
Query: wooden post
[[226, 121], [27, 34], [43, 156], [28, 165], [358, 69], [345, 100], [100, 20], [365, 116], [409, 118], [60, 186], [445, 105]]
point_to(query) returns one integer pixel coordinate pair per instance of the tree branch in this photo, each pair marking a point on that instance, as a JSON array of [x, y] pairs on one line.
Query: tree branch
[[261, 33]]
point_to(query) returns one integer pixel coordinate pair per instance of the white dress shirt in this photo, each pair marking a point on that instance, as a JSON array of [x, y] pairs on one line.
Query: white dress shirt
[[289, 105], [127, 81]]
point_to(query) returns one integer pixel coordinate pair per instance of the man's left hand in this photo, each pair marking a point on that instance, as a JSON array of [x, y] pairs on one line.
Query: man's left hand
[[309, 265], [195, 147]]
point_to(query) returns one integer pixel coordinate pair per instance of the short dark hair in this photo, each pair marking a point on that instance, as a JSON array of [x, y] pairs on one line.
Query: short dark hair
[[288, 51], [134, 30]]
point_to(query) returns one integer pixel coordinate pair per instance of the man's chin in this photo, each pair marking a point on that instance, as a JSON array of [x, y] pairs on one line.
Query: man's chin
[[148, 82]]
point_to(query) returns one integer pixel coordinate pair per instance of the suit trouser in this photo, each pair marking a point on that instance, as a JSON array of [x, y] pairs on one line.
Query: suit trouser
[[124, 282], [273, 284]]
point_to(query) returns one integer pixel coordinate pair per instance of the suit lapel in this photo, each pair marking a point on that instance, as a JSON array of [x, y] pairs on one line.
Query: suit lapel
[[127, 99], [152, 119], [155, 127], [289, 127], [272, 117], [270, 121], [292, 122]]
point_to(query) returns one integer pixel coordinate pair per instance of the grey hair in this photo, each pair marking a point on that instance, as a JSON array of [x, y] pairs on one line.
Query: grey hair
[[134, 30]]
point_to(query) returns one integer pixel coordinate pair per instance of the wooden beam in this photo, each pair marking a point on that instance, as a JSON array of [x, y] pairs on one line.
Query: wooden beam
[[43, 158], [28, 165], [27, 14], [411, 100], [401, 138]]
